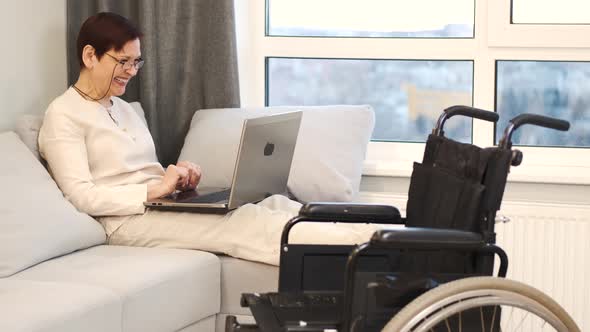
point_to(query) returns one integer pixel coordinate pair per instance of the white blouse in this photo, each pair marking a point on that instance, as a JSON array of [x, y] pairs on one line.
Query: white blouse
[[101, 164]]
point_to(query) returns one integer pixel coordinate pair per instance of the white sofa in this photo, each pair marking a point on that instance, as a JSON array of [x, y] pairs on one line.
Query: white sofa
[[57, 274]]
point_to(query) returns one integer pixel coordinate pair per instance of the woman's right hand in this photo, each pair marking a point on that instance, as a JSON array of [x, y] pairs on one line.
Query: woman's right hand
[[173, 175]]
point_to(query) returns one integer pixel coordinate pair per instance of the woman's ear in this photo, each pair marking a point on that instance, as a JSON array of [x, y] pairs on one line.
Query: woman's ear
[[89, 56]]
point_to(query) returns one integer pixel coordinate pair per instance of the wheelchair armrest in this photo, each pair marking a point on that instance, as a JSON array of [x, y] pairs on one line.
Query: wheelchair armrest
[[344, 213], [348, 212], [427, 238]]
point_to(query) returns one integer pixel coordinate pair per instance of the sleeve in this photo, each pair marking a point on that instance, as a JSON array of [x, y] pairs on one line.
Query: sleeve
[[62, 145]]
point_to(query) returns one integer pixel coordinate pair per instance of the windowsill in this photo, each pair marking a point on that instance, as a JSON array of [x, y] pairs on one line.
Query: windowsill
[[388, 170], [572, 175], [383, 184]]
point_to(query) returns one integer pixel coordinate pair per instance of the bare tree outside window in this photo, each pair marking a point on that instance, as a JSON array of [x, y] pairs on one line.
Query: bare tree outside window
[[407, 95], [555, 88]]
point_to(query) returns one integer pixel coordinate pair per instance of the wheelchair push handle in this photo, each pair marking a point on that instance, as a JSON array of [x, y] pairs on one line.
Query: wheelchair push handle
[[465, 111], [540, 120], [534, 119]]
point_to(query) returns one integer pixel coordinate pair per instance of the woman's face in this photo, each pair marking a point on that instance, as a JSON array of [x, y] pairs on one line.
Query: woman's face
[[130, 54]]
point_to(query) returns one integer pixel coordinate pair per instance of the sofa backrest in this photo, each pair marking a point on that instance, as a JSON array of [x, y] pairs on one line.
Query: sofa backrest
[[328, 159], [36, 222]]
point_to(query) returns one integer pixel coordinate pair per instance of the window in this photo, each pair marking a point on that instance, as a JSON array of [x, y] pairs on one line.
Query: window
[[538, 23], [371, 18], [501, 65], [550, 12], [406, 95], [552, 88]]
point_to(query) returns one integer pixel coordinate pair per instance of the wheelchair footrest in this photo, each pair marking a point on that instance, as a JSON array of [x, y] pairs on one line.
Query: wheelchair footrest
[[232, 325], [295, 311], [378, 297]]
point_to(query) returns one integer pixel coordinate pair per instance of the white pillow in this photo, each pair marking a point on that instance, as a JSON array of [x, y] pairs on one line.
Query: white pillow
[[328, 158], [36, 222], [27, 128]]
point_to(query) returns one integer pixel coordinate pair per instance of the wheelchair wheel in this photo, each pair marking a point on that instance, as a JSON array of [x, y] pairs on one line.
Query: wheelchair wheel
[[482, 304]]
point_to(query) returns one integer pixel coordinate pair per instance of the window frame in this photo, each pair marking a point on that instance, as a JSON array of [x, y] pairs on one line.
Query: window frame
[[492, 41], [503, 33]]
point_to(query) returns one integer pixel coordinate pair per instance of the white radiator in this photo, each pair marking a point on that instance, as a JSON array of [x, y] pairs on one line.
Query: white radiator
[[548, 247]]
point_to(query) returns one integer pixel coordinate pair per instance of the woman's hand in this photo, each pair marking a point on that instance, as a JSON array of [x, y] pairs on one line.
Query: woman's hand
[[193, 177], [173, 176]]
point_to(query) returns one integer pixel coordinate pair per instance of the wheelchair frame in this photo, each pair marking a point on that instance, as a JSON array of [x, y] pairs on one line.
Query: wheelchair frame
[[386, 241]]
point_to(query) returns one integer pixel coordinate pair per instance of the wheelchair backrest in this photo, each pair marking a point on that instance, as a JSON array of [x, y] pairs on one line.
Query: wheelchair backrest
[[457, 186]]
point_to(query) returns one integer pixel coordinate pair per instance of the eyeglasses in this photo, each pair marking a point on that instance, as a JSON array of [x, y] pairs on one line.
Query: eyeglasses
[[137, 63]]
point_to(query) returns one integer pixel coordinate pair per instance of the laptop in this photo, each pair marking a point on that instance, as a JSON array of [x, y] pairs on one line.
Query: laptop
[[261, 169]]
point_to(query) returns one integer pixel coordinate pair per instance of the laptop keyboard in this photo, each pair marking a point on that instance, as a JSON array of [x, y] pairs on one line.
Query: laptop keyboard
[[208, 198]]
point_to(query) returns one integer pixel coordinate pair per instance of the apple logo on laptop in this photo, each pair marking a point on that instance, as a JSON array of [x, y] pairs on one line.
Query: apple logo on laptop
[[269, 149]]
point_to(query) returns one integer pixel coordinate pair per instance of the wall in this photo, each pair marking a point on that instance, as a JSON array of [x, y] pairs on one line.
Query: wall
[[33, 57]]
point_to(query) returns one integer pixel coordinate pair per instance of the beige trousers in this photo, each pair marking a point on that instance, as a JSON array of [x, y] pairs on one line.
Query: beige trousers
[[251, 232]]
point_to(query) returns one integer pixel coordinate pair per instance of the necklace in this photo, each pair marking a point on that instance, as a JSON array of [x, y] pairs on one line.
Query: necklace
[[111, 116], [84, 94], [88, 97]]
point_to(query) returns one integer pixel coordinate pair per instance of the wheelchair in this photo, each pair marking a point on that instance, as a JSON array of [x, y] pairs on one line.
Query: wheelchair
[[430, 271]]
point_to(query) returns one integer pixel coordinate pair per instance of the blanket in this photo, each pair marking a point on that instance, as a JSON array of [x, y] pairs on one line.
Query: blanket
[[251, 232]]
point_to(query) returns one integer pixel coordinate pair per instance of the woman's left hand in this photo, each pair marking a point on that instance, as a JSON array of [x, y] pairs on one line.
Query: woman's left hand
[[193, 178]]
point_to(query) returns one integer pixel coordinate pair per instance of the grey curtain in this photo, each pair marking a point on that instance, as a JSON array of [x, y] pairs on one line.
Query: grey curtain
[[191, 61]]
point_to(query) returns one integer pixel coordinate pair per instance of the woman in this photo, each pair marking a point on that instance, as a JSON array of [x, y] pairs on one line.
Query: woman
[[102, 156], [97, 148]]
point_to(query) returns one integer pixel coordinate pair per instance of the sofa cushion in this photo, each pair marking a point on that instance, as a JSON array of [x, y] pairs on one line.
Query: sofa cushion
[[160, 289], [240, 276], [328, 158], [204, 325], [34, 306], [36, 222]]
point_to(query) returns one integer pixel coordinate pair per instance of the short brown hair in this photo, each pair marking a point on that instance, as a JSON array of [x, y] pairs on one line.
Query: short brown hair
[[104, 31]]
